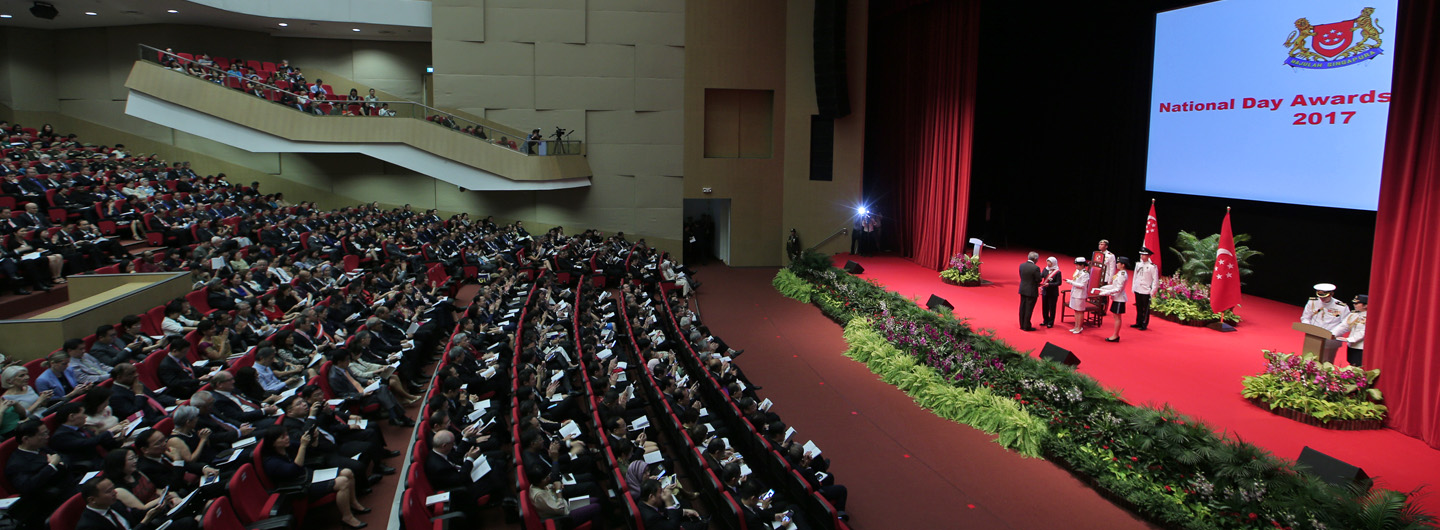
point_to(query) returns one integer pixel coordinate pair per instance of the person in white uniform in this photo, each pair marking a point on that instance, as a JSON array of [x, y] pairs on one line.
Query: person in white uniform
[[1115, 289], [1353, 329], [1324, 311], [1103, 249], [1147, 277], [1079, 285]]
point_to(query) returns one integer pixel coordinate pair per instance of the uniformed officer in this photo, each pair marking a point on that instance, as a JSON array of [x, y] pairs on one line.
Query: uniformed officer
[[1354, 325], [1103, 257], [1324, 311]]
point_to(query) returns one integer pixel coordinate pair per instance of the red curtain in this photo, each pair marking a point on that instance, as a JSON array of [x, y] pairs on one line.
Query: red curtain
[[1403, 328], [924, 78]]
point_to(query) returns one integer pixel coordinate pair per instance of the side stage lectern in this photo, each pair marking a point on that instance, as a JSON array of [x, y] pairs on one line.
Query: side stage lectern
[[1315, 337]]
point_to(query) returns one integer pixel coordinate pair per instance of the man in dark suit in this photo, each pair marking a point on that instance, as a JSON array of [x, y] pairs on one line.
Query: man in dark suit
[[1030, 278], [79, 446], [39, 475], [657, 517], [175, 372], [343, 383], [125, 401], [445, 473], [103, 512]]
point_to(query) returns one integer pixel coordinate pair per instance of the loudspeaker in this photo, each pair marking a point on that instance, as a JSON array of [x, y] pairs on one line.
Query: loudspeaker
[[1060, 355], [853, 268], [832, 90], [44, 10], [1331, 469], [936, 301]]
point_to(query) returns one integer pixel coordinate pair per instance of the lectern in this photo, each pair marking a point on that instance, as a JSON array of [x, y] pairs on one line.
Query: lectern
[[1315, 337]]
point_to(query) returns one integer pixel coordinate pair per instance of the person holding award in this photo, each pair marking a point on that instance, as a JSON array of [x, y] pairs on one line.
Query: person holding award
[[1115, 289]]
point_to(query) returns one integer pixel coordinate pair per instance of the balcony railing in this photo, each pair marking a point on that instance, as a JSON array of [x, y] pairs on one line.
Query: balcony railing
[[268, 85]]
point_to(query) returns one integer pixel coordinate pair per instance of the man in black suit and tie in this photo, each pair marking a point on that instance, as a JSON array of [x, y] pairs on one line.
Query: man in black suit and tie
[[175, 372], [444, 473], [77, 444], [39, 475], [656, 516], [1030, 278], [104, 512], [33, 217]]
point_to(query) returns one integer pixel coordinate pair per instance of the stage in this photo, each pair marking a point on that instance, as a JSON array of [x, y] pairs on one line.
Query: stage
[[1196, 370]]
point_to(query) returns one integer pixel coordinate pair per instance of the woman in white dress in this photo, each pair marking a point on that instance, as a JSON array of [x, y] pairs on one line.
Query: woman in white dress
[[1079, 284]]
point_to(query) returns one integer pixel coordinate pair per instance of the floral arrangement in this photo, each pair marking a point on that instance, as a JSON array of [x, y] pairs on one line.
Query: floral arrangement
[[1174, 471], [1187, 302], [1321, 392], [963, 270]]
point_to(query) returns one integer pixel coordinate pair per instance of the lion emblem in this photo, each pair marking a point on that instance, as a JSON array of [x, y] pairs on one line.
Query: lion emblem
[[1297, 38], [1369, 31]]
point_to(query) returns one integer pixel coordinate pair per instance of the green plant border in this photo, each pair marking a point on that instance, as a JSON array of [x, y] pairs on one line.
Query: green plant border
[[1015, 428]]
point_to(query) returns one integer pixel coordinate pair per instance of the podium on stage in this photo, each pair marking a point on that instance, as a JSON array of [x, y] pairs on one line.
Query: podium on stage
[[1315, 337]]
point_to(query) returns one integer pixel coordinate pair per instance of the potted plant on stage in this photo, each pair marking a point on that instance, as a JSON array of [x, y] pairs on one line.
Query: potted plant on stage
[[963, 270], [1302, 388], [1184, 297]]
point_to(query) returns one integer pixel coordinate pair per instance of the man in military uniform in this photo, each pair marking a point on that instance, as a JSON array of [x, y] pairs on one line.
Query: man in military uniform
[[1353, 328], [1325, 311], [1104, 256]]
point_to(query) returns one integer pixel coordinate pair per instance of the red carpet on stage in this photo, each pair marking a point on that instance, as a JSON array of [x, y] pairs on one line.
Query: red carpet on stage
[[1196, 370]]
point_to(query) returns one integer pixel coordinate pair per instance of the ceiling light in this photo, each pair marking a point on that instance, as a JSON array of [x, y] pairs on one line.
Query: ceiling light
[[171, 11], [354, 29], [91, 13], [5, 16], [282, 24]]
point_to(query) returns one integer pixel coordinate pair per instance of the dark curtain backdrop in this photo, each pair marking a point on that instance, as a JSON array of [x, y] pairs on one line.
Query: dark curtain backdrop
[[1403, 328], [923, 63]]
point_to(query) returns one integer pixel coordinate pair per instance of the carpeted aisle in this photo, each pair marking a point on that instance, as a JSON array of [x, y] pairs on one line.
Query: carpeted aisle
[[905, 467], [1196, 370]]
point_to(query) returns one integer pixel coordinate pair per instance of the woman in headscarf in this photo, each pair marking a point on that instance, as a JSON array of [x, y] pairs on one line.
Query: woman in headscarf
[[1049, 291]]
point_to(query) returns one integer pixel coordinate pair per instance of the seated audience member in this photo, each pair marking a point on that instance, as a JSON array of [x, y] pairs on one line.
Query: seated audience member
[[286, 465], [16, 380], [656, 515], [39, 474], [176, 373], [80, 445], [57, 380]]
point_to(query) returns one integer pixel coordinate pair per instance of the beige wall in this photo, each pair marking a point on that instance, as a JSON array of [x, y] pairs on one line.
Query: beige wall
[[768, 45], [612, 70]]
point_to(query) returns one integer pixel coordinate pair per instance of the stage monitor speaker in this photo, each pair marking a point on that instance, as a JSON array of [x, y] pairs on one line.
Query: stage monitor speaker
[[853, 268], [1331, 469], [1060, 355], [936, 301], [1221, 326]]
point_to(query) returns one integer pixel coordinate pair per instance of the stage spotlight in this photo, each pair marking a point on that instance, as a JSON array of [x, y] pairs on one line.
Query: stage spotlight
[[44, 10]]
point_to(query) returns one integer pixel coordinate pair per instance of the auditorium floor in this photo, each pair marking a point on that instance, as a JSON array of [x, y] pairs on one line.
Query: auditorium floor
[[904, 467]]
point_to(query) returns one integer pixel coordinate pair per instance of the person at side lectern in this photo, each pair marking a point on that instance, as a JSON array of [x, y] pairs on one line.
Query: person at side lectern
[[1353, 329], [1325, 311], [1079, 283], [1115, 289], [1030, 278], [1147, 276], [1049, 291]]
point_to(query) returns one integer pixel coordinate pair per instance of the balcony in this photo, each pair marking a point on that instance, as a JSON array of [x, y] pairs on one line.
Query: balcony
[[270, 119]]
